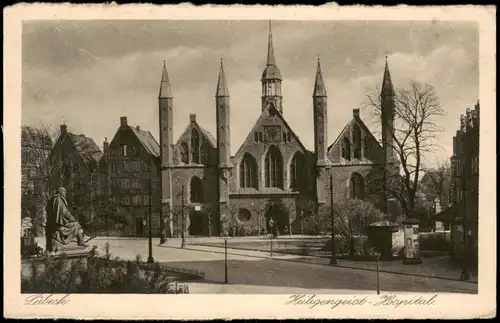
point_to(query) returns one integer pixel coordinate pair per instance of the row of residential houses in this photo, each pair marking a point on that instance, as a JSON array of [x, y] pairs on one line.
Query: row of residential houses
[[104, 186], [462, 214]]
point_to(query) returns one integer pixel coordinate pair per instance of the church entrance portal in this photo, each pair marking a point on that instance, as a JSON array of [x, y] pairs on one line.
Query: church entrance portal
[[196, 223], [139, 226], [279, 216]]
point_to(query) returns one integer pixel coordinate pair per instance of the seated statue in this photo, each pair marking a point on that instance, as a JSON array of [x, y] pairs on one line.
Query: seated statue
[[61, 228]]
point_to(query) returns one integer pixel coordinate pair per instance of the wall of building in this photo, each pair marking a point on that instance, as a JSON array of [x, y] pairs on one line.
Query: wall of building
[[129, 177]]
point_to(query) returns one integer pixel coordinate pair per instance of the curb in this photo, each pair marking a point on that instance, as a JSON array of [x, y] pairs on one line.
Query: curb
[[321, 264]]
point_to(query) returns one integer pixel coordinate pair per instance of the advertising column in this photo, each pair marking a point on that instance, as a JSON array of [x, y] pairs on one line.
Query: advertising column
[[411, 247]]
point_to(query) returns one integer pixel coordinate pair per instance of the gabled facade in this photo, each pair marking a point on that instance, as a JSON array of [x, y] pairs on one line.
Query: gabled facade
[[217, 191], [464, 188], [75, 164], [131, 172]]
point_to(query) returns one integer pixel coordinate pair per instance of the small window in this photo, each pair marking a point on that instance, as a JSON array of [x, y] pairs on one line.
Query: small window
[[124, 150], [146, 199], [256, 136], [125, 200], [125, 183], [261, 137], [284, 136], [289, 137]]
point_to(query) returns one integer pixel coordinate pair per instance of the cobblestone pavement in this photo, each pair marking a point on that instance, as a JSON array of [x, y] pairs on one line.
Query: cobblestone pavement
[[253, 273]]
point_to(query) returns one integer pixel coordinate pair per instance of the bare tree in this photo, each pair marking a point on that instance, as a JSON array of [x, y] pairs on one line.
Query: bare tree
[[316, 217], [413, 134], [37, 166], [352, 217], [436, 182], [260, 211]]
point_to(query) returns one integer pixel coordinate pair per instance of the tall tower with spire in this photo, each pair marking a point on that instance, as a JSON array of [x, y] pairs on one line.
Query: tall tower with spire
[[223, 119], [388, 106], [165, 104], [320, 119], [320, 135], [223, 146], [271, 79]]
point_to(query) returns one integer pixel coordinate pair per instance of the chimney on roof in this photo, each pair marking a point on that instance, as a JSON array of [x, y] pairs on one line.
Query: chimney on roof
[[64, 129], [192, 117], [355, 113], [123, 121], [105, 146], [138, 128]]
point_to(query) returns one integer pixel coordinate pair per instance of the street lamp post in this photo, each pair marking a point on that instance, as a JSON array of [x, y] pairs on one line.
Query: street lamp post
[[150, 258], [302, 222], [225, 259], [183, 238], [378, 278], [333, 259], [209, 224]]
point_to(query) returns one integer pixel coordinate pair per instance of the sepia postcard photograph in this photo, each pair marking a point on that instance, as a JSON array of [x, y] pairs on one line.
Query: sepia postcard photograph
[[264, 162]]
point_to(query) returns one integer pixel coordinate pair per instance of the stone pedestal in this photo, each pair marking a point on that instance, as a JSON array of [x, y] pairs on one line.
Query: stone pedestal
[[70, 252]]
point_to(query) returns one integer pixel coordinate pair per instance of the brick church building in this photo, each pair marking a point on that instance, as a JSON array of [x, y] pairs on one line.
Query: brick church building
[[272, 175]]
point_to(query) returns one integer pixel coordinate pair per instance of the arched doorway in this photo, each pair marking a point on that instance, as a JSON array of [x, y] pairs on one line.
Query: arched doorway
[[196, 223], [278, 215]]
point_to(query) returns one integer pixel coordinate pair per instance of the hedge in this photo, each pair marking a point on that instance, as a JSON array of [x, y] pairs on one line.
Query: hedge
[[98, 275]]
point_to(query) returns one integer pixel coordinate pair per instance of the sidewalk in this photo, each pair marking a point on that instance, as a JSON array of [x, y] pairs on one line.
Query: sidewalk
[[436, 267], [208, 288]]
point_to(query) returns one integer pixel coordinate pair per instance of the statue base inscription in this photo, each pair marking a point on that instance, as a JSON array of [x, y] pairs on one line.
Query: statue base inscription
[[69, 251]]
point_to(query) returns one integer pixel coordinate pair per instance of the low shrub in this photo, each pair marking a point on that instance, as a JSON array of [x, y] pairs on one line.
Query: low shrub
[[96, 274], [343, 245], [435, 241]]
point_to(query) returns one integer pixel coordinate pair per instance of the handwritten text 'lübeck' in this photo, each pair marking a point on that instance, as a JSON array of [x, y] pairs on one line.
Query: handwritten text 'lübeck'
[[385, 300], [44, 299]]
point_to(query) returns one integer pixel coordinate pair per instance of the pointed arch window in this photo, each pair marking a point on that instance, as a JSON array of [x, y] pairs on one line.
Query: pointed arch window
[[204, 152], [356, 138], [248, 171], [346, 148], [365, 148], [196, 190], [274, 168], [357, 187], [195, 146], [184, 153], [297, 171]]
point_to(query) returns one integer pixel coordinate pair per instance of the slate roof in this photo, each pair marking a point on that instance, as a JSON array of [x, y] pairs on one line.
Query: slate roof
[[86, 147], [148, 141], [360, 123], [209, 136]]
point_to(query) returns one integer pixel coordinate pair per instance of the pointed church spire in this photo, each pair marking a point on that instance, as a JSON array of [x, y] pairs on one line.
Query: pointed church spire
[[387, 87], [270, 50], [165, 90], [222, 89], [319, 84]]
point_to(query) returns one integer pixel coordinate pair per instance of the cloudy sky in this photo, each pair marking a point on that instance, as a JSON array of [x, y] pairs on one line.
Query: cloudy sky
[[89, 73]]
